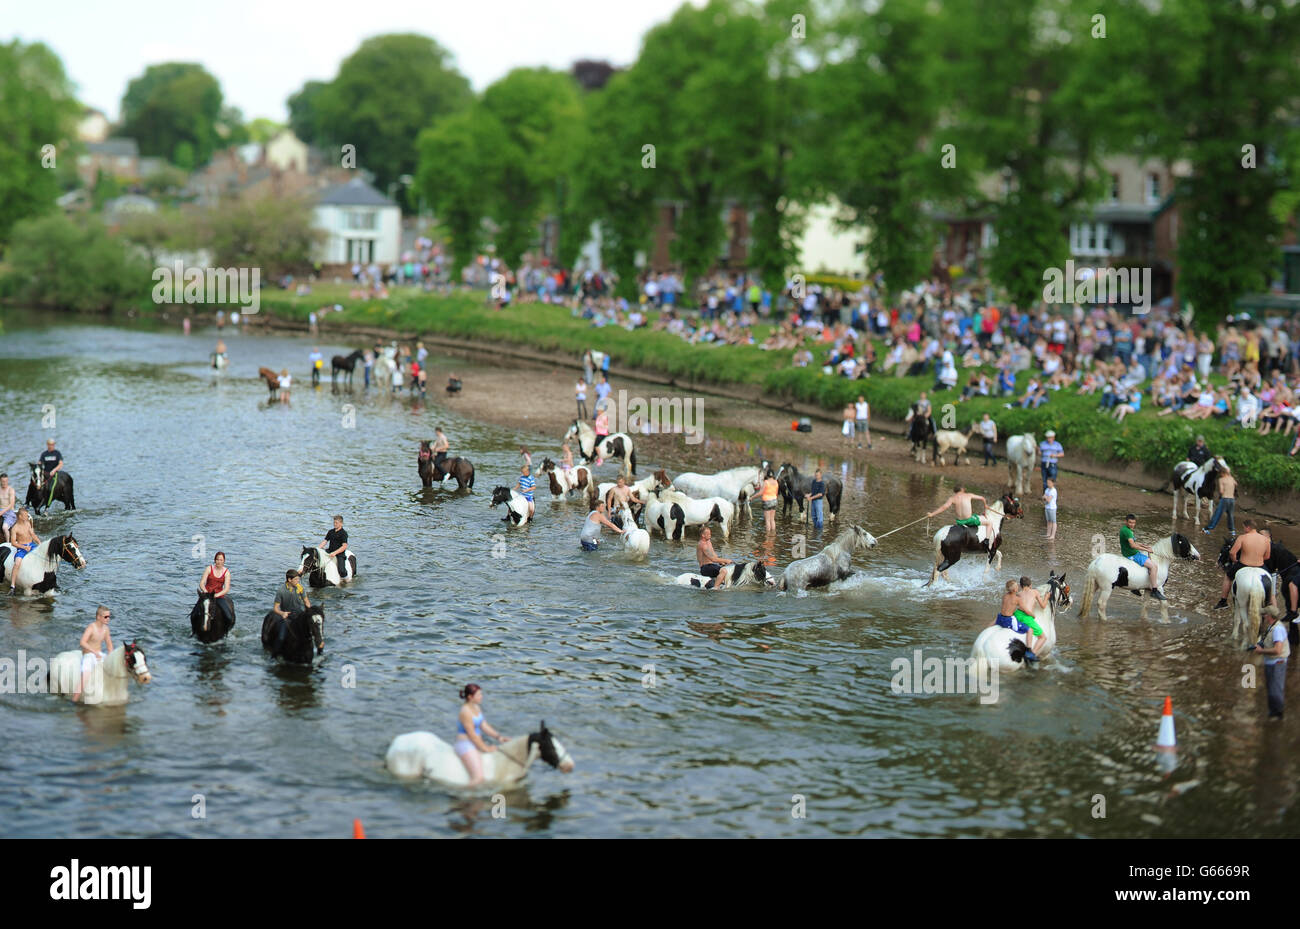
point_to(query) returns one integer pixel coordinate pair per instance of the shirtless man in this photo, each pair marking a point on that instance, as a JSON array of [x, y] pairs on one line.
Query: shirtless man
[[710, 563], [1030, 600], [8, 499], [1012, 616], [440, 448], [961, 501], [1251, 550], [96, 644], [620, 495], [24, 540]]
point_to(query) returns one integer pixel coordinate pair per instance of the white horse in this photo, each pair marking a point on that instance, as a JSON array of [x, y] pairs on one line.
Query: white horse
[[1196, 482], [108, 681], [564, 482], [999, 647], [1250, 588], [516, 505], [619, 445], [636, 541], [832, 563], [1022, 454], [736, 485], [729, 575], [671, 511], [385, 365], [946, 439], [321, 568], [423, 754], [1110, 570], [36, 569]]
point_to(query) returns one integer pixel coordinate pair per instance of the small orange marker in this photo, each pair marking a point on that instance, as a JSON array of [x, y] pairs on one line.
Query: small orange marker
[[358, 831], [1166, 742]]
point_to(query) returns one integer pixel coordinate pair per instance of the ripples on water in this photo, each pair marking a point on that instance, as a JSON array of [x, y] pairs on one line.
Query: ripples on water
[[757, 696]]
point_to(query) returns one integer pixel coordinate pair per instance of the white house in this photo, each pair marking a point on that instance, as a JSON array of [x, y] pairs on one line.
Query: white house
[[287, 152], [824, 246], [361, 223]]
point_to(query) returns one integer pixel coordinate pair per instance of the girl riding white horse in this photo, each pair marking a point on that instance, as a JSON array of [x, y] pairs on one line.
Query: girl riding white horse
[[1022, 454], [321, 568], [36, 569], [1001, 648], [671, 511], [1110, 570], [619, 445], [107, 685]]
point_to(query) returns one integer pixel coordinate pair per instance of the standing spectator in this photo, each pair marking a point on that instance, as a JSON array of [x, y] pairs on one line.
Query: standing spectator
[[284, 382], [602, 392], [847, 429], [1277, 652], [368, 359], [989, 433], [1199, 453], [317, 363], [580, 393], [1227, 488], [588, 367], [862, 412], [1049, 508], [1050, 453], [816, 495]]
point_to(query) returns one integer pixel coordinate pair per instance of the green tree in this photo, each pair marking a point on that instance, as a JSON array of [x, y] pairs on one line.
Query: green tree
[[386, 91], [171, 106], [456, 174], [276, 235], [304, 112], [263, 130], [71, 264], [37, 109]]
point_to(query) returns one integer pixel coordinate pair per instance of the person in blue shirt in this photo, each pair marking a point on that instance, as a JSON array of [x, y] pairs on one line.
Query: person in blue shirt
[[317, 363], [816, 497], [1050, 452], [526, 485]]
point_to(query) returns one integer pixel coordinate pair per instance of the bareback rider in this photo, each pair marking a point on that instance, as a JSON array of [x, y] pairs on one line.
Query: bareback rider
[[8, 500], [24, 540], [1251, 550], [440, 448], [1012, 616], [1139, 554], [336, 544], [709, 562], [961, 502]]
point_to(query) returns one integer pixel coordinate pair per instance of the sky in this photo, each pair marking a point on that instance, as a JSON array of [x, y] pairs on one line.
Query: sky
[[262, 51]]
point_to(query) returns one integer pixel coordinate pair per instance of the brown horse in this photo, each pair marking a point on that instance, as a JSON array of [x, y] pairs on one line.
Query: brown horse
[[431, 471], [272, 381], [577, 478]]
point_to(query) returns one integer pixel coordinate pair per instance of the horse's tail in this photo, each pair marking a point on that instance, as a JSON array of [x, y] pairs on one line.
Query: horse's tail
[[631, 459], [1088, 587], [1254, 609]]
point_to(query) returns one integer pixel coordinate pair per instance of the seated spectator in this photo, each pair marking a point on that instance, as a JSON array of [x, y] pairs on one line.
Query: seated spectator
[[1131, 404]]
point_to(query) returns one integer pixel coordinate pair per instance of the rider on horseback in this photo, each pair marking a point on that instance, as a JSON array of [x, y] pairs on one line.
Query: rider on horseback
[[440, 448], [1138, 553], [51, 461], [710, 563], [961, 500], [336, 544], [1011, 615], [24, 540]]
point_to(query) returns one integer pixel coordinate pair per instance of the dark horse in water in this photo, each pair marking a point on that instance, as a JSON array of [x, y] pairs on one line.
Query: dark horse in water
[[951, 541], [435, 472], [41, 495], [212, 617], [272, 381], [921, 432], [346, 363], [294, 638], [794, 485]]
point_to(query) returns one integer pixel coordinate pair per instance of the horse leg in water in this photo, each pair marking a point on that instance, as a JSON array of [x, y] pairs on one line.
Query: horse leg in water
[[1102, 596]]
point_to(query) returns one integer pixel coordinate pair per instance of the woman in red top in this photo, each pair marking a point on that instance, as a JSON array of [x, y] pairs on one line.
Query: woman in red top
[[216, 577]]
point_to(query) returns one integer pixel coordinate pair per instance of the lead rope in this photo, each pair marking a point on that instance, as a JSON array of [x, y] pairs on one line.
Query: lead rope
[[912, 523]]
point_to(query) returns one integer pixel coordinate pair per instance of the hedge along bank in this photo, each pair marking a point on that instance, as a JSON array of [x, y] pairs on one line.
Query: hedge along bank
[[1157, 443]]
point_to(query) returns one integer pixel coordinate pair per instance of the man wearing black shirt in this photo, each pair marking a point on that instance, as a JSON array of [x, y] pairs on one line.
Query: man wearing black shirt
[[1282, 563], [51, 459], [1199, 453], [336, 544]]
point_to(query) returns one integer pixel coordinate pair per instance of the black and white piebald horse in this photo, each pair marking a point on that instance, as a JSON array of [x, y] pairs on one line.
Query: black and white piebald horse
[[619, 445], [794, 485], [644, 487], [952, 540], [322, 569], [41, 495], [1001, 648], [564, 482], [1196, 482], [921, 432], [423, 754], [345, 363], [1108, 571], [36, 570], [671, 511], [736, 574], [516, 505], [294, 637], [433, 471], [212, 617], [108, 681], [833, 563]]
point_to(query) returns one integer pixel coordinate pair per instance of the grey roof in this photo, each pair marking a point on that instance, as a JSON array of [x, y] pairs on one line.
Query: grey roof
[[355, 192], [114, 147]]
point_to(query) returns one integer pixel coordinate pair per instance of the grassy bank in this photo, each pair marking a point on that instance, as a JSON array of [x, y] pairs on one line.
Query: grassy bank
[[1158, 443]]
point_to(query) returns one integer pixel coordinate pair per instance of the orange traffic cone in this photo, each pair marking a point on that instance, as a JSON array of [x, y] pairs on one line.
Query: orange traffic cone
[[1166, 741], [358, 831]]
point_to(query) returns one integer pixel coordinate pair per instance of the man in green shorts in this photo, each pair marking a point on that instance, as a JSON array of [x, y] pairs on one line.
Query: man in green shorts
[[961, 502], [1011, 616], [1139, 554]]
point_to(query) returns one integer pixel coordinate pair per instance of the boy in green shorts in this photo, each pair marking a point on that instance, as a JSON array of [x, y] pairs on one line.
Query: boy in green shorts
[[1011, 616]]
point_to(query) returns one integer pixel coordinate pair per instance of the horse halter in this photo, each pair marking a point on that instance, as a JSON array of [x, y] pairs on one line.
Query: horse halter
[[63, 551]]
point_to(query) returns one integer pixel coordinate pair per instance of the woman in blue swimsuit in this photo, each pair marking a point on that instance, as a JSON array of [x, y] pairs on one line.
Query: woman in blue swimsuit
[[470, 726]]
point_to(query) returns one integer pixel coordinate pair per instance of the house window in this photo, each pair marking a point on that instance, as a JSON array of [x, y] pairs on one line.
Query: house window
[[1114, 188], [362, 219], [1153, 187], [1103, 238], [988, 237]]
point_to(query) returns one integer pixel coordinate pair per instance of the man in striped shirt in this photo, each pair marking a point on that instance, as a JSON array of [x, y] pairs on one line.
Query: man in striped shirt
[[526, 486]]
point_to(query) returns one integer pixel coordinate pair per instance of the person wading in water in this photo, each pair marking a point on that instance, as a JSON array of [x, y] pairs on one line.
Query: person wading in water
[[470, 726], [710, 563]]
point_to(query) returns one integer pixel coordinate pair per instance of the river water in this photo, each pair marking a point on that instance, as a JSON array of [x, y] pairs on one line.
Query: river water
[[737, 713]]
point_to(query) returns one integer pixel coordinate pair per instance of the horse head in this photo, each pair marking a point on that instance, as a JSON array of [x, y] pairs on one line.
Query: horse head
[[548, 465], [1011, 506], [133, 658], [1183, 548], [310, 561], [662, 479], [38, 474], [67, 549], [500, 495], [316, 616], [862, 538], [1060, 591], [550, 750], [1220, 466]]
